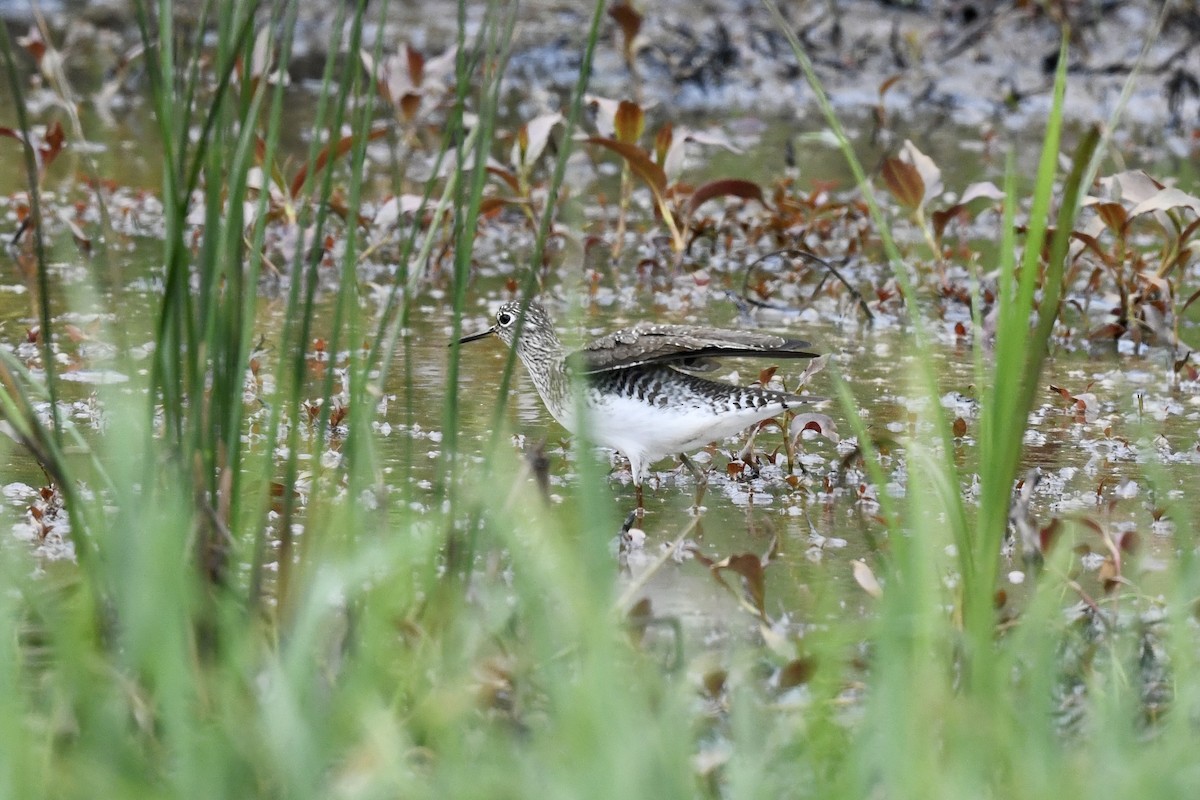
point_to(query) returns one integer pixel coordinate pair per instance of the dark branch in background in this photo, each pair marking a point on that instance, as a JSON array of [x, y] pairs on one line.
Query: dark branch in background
[[810, 258]]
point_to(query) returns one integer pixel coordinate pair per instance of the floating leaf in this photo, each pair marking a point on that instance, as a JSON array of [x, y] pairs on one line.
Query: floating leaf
[[1113, 215], [797, 672], [729, 187], [662, 143], [509, 179], [532, 139], [903, 180], [865, 578], [714, 682], [638, 160], [1165, 200], [710, 140], [332, 151], [981, 189], [1130, 187], [823, 424], [750, 567], [887, 85], [629, 122], [629, 20], [931, 176], [34, 44], [415, 61]]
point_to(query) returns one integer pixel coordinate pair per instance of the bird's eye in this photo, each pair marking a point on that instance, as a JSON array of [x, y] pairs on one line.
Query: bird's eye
[[504, 318]]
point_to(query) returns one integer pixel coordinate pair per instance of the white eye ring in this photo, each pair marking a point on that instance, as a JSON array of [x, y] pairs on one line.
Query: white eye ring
[[504, 319]]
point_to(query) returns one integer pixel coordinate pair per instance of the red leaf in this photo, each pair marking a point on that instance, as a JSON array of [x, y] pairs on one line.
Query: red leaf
[[749, 566], [638, 160], [662, 142], [331, 151], [509, 179], [416, 65], [729, 187], [1113, 215], [941, 218], [629, 21], [797, 672], [629, 122], [888, 84], [904, 182]]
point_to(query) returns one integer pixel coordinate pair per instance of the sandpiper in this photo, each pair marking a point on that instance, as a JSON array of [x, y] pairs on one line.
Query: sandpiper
[[639, 400]]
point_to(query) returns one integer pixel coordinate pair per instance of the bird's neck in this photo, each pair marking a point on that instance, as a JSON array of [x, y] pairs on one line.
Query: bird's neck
[[547, 368]]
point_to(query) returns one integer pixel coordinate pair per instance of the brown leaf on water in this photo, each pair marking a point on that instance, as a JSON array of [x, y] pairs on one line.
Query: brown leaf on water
[[764, 377], [714, 681], [629, 20], [1109, 574], [729, 187], [797, 672], [1109, 330], [490, 206], [903, 180], [629, 122], [662, 142], [747, 565], [821, 424], [52, 144], [939, 219], [82, 240], [1113, 215], [330, 152], [415, 60], [638, 160], [409, 104], [960, 427], [510, 180], [982, 190], [750, 567]]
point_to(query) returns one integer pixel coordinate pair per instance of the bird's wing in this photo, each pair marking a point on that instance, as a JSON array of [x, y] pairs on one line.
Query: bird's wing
[[682, 346]]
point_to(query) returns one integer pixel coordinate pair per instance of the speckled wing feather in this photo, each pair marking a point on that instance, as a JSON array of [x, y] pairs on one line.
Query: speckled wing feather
[[682, 346]]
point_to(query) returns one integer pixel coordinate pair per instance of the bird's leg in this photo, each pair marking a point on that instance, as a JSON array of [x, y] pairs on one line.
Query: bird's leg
[[641, 507], [700, 475]]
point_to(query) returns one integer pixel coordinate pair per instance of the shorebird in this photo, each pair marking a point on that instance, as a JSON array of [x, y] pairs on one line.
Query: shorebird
[[639, 393]]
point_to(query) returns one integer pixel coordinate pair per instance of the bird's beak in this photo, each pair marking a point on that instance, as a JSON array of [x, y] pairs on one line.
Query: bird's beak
[[476, 336]]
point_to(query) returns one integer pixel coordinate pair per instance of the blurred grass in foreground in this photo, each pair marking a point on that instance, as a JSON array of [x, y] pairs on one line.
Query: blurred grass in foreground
[[380, 652]]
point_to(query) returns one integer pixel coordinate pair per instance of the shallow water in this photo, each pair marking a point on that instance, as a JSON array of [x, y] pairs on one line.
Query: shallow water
[[1094, 464]]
